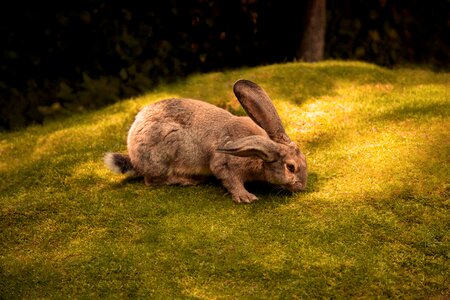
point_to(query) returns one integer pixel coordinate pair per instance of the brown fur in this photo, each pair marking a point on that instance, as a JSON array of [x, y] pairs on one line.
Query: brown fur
[[184, 141]]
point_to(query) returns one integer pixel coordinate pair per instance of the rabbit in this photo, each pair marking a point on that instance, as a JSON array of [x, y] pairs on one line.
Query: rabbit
[[185, 141]]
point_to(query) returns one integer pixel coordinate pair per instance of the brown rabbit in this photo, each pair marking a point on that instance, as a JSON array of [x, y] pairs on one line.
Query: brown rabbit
[[184, 141]]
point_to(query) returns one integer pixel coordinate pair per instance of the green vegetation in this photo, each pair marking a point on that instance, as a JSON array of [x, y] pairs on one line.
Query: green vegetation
[[374, 221]]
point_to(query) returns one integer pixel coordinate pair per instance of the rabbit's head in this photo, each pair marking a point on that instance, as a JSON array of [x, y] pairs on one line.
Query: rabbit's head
[[284, 163], [289, 170]]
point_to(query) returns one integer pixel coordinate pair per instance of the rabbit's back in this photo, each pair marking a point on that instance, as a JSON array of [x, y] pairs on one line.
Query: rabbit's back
[[175, 136]]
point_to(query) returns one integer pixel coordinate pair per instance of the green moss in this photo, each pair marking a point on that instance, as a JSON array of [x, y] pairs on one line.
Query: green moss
[[373, 223]]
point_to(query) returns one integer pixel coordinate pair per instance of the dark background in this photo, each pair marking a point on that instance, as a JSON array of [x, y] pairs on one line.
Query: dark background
[[68, 56]]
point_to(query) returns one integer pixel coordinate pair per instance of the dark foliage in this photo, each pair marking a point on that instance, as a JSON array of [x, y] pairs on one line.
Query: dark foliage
[[390, 32], [76, 55]]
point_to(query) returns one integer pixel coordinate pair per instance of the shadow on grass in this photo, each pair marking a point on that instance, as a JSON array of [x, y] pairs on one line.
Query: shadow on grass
[[419, 110], [263, 190]]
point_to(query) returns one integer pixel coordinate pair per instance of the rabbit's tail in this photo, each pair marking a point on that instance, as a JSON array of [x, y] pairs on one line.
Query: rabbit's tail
[[119, 163]]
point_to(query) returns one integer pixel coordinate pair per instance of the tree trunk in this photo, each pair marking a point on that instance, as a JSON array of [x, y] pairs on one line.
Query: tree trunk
[[312, 43]]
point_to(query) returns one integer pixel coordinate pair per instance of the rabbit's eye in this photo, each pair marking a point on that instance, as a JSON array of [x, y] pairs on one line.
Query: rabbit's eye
[[291, 168]]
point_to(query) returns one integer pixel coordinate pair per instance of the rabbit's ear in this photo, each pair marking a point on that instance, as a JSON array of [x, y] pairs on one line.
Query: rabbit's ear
[[260, 109], [254, 145]]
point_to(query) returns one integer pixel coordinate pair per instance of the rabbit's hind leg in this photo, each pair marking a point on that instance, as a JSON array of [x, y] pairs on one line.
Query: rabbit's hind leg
[[155, 181], [174, 180], [186, 180]]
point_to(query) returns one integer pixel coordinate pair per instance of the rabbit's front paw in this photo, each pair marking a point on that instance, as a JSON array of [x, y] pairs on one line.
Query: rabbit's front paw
[[244, 197]]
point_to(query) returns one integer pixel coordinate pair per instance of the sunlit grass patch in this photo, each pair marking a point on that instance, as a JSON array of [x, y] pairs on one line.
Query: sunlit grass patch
[[373, 222]]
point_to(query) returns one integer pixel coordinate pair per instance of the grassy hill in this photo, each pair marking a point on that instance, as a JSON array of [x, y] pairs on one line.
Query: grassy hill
[[374, 220]]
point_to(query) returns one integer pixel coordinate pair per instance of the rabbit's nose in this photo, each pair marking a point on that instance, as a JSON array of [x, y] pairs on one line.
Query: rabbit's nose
[[298, 186], [302, 185]]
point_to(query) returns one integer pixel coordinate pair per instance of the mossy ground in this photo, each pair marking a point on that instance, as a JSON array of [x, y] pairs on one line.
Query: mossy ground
[[374, 221]]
